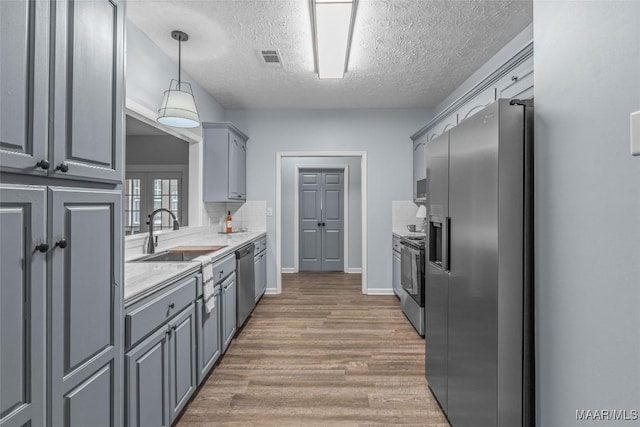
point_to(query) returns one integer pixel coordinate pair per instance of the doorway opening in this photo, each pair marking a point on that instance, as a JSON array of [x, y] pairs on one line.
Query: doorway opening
[[353, 167]]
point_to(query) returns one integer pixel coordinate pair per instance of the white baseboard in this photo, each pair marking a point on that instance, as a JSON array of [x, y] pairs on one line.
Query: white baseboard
[[387, 291], [287, 270], [354, 270], [271, 292]]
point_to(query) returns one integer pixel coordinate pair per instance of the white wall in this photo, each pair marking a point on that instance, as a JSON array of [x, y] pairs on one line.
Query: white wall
[[148, 73], [384, 134], [355, 206], [587, 213]]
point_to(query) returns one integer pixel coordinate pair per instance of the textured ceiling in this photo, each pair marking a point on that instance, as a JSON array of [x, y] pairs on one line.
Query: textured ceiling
[[405, 53]]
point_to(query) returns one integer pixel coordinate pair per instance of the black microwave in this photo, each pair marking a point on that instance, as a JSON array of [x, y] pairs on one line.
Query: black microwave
[[421, 190]]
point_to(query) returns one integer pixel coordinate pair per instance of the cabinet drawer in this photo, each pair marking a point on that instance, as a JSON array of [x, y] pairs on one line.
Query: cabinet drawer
[[144, 319], [224, 267], [396, 244], [260, 245]]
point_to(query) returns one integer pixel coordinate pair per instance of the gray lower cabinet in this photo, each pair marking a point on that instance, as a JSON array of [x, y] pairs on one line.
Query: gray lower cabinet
[[224, 163], [161, 363], [22, 304], [147, 367], [397, 286], [228, 310], [182, 360], [209, 335], [85, 53], [85, 294]]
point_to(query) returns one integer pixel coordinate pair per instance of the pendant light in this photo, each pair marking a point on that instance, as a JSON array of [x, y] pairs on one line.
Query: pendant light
[[178, 108]]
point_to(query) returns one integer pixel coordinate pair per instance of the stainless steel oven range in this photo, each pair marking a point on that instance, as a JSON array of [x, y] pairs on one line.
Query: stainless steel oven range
[[412, 253]]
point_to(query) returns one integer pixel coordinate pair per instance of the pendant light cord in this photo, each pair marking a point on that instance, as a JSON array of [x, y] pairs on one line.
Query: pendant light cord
[[179, 61]]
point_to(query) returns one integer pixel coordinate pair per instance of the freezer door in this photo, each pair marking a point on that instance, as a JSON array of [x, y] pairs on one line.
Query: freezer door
[[473, 281], [437, 278]]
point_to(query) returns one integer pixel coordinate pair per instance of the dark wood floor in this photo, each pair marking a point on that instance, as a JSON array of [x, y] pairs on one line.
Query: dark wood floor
[[321, 353]]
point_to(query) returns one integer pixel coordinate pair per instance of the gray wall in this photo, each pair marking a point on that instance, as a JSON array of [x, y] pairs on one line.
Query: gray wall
[[156, 150], [355, 203], [383, 134], [587, 81]]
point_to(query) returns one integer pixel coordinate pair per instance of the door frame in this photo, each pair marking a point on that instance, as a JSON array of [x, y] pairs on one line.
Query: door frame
[[345, 212], [363, 190]]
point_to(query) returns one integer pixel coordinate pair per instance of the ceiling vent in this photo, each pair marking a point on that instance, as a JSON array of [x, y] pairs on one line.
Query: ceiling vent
[[270, 58]]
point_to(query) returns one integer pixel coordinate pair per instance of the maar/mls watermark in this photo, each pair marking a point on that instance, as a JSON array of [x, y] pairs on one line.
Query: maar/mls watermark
[[607, 414]]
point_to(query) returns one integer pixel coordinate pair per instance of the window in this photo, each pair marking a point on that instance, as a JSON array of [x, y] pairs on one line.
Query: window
[[147, 191]]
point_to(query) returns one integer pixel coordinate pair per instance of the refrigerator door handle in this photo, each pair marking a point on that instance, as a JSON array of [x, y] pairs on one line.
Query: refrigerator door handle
[[446, 245]]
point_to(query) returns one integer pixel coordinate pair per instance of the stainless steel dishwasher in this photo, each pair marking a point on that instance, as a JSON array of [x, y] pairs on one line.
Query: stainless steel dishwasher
[[245, 278]]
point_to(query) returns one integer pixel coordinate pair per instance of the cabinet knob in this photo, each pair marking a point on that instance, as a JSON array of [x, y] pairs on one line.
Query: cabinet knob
[[43, 164], [172, 306], [514, 78], [62, 167], [42, 247], [62, 243]]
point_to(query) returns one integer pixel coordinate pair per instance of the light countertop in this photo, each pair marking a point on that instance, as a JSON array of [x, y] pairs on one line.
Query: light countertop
[[403, 232], [144, 278]]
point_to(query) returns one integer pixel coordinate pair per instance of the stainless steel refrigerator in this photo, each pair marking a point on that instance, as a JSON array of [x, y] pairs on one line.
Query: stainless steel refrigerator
[[478, 303]]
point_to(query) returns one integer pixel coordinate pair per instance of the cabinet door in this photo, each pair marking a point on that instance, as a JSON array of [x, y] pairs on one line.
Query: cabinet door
[[442, 126], [209, 337], [22, 305], [263, 272], [88, 92], [476, 104], [242, 169], [228, 310], [147, 367], [86, 306], [257, 266], [182, 360], [234, 161], [517, 83], [24, 83], [396, 272]]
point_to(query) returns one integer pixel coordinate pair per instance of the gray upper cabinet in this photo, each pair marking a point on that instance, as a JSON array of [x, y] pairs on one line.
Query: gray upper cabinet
[[419, 166], [23, 254], [224, 165], [476, 104], [517, 83], [24, 71], [89, 90], [86, 306], [81, 137]]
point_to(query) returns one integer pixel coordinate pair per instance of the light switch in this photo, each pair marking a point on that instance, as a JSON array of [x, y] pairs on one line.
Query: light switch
[[635, 133], [269, 211]]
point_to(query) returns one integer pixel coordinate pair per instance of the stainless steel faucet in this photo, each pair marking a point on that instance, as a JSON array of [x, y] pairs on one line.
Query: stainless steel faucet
[[151, 245]]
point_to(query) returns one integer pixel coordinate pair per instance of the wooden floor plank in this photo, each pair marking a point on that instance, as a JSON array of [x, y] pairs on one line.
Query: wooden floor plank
[[320, 354]]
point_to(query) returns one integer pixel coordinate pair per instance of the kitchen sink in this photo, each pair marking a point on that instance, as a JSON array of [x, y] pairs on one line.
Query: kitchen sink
[[173, 255]]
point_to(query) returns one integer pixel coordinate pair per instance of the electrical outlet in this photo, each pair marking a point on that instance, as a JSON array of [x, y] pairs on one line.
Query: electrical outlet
[[269, 211], [635, 133]]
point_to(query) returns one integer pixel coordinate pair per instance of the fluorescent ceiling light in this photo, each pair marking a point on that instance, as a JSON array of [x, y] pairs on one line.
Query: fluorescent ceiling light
[[333, 25]]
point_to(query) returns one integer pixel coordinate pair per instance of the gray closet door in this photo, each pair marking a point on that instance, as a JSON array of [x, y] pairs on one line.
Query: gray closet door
[[89, 88], [86, 306], [148, 382], [332, 221], [321, 220], [24, 83], [22, 305]]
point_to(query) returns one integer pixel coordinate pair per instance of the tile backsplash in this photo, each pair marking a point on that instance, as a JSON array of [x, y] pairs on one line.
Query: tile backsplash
[[403, 213], [251, 215]]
